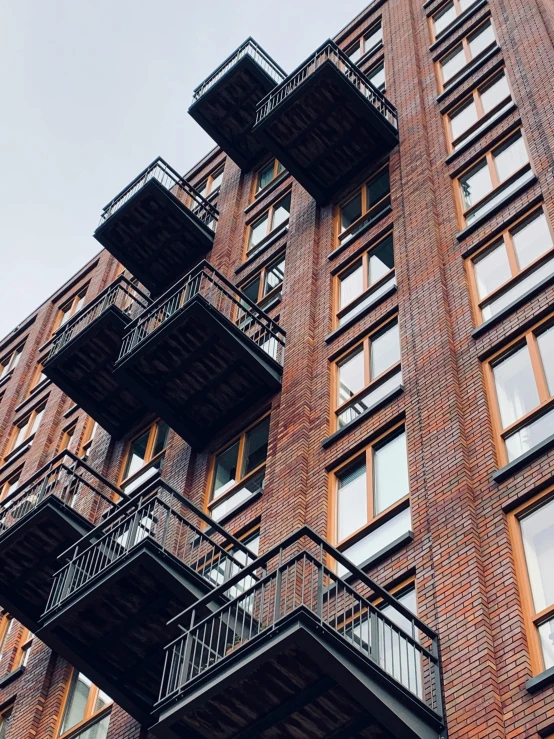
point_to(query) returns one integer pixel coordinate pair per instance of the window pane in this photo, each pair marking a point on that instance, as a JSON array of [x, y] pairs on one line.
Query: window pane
[[531, 239], [5, 723], [373, 38], [282, 212], [452, 64], [398, 657], [463, 118], [529, 436], [546, 635], [377, 77], [546, 348], [481, 40], [217, 180], [476, 184], [76, 702], [274, 276], [21, 434], [390, 473], [351, 376], [537, 530], [351, 211], [161, 438], [377, 188], [258, 231], [226, 470], [515, 386], [492, 270], [265, 176], [36, 421], [252, 289], [101, 702], [444, 18], [351, 285], [255, 449], [351, 501], [492, 95], [385, 351], [465, 4], [381, 260], [518, 287], [355, 52], [137, 454], [510, 157]]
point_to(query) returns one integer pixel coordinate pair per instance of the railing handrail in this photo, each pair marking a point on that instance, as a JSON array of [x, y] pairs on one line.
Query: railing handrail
[[227, 62]]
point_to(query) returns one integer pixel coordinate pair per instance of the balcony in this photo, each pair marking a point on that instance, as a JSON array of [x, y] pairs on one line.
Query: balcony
[[83, 353], [225, 104], [110, 602], [298, 651], [158, 227], [326, 123], [48, 513], [202, 355]]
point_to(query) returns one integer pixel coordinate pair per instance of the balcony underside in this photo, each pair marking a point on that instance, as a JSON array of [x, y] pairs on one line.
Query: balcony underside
[[83, 370], [114, 628], [326, 133], [227, 111], [199, 372], [297, 682], [155, 236], [29, 552]]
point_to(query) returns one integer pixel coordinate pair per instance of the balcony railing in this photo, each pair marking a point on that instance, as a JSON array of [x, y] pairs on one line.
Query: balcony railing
[[71, 481], [161, 171], [121, 294], [248, 48], [228, 300], [329, 52], [163, 516], [299, 575]]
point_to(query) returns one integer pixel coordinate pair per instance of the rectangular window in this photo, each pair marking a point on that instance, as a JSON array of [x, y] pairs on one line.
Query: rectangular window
[[38, 378], [6, 627], [363, 207], [485, 104], [211, 184], [447, 14], [267, 224], [144, 457], [91, 428], [10, 486], [371, 41], [363, 282], [84, 702], [10, 362], [70, 308], [514, 263], [368, 372], [267, 285], [267, 174], [67, 436], [25, 643], [521, 380], [24, 431], [239, 470], [493, 178], [5, 718], [376, 75], [470, 48]]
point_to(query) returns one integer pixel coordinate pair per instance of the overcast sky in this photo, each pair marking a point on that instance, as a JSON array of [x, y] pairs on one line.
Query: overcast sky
[[92, 91]]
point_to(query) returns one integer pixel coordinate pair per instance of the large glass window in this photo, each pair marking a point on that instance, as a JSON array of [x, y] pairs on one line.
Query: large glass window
[[267, 174], [83, 703], [371, 41], [376, 75], [70, 308], [469, 48], [10, 361], [275, 216], [364, 206], [145, 455], [211, 184], [24, 431], [267, 284], [447, 14]]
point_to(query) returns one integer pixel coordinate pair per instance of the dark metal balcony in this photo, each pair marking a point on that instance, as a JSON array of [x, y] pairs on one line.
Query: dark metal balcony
[[84, 351], [50, 511], [110, 603], [225, 104], [158, 227], [298, 651], [326, 123], [201, 355]]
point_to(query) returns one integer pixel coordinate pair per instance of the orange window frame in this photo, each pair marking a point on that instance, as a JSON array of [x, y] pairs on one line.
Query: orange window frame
[[90, 714], [532, 620], [339, 236], [372, 520], [24, 644], [262, 275], [68, 434], [459, 11], [464, 43], [7, 485], [89, 433], [361, 42], [507, 238], [270, 214], [70, 308], [27, 421], [10, 361], [38, 378], [278, 169], [6, 622], [149, 459], [205, 186], [546, 400]]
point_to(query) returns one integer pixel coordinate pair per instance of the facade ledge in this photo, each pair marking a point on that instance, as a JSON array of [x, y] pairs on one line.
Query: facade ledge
[[470, 69], [540, 681], [494, 121], [365, 441], [11, 677], [272, 239], [460, 20], [266, 192], [341, 329], [385, 552], [369, 225], [538, 450]]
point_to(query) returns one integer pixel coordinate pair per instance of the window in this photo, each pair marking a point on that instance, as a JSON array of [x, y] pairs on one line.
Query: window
[[532, 530], [376, 76], [267, 284], [267, 174], [363, 207], [25, 430], [367, 374], [239, 470], [363, 282], [486, 103], [372, 40], [70, 308], [84, 702], [493, 178], [6, 626], [212, 183], [447, 14], [521, 380], [10, 486], [10, 362], [38, 378], [24, 644], [221, 568], [275, 216], [145, 456], [512, 265], [5, 718], [371, 492], [66, 437], [469, 49], [88, 438]]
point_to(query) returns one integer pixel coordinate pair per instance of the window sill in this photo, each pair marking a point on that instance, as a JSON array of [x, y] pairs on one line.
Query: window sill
[[455, 25], [341, 329], [17, 453], [384, 553], [34, 395], [236, 510], [272, 239], [11, 677], [540, 681], [538, 450], [500, 116], [368, 55], [268, 189], [343, 247], [470, 69]]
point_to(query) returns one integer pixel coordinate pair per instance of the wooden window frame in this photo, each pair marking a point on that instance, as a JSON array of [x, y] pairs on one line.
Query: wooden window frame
[[361, 42], [89, 432], [27, 420], [464, 43], [459, 12], [546, 401], [10, 361], [6, 624], [152, 429], [475, 95], [369, 382], [90, 716], [371, 71], [7, 484], [68, 433], [372, 522], [340, 236], [258, 191], [270, 230], [70, 306], [208, 181], [506, 237], [37, 381], [531, 619], [261, 273], [24, 644], [6, 711]]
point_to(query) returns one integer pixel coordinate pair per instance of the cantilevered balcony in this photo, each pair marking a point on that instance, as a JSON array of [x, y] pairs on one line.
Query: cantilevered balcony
[[84, 351], [297, 651], [225, 104], [111, 601], [201, 355], [326, 123], [50, 511], [158, 227]]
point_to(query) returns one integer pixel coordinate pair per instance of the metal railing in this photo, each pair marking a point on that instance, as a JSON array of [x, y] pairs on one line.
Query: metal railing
[[161, 171], [121, 293], [162, 515], [299, 575], [248, 48], [71, 481], [329, 52], [228, 300]]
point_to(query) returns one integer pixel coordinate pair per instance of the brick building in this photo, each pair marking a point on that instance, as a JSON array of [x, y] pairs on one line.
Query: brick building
[[295, 423]]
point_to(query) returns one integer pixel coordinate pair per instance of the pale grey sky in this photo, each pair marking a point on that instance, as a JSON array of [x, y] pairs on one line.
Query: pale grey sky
[[92, 91]]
